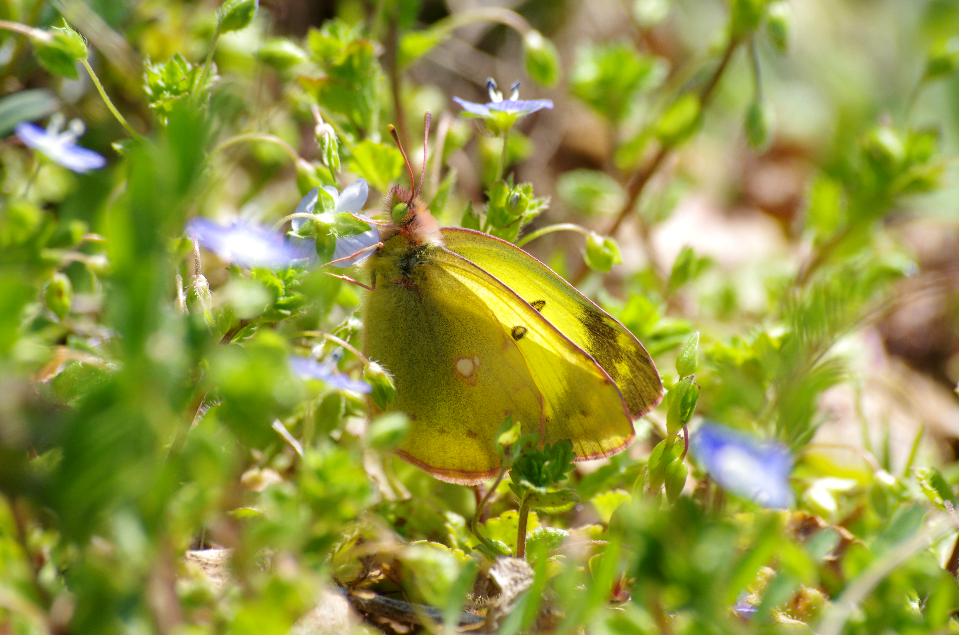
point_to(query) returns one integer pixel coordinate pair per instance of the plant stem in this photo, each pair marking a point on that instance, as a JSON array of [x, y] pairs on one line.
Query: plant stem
[[259, 137], [23, 29], [553, 228], [639, 180], [32, 178], [522, 527], [106, 98], [503, 167], [475, 521]]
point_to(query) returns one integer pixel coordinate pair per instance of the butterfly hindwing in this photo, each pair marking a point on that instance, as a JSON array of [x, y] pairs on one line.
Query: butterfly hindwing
[[598, 333]]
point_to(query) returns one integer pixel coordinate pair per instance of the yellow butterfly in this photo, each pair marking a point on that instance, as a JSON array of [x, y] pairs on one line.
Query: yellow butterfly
[[475, 330]]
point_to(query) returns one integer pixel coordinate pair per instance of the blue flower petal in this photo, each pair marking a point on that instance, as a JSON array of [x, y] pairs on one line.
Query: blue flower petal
[[59, 148], [328, 373], [352, 198], [481, 110], [521, 106], [353, 243], [744, 609], [244, 244], [744, 466]]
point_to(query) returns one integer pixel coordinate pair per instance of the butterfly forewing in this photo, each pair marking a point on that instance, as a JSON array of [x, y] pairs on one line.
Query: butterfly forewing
[[458, 373], [598, 333], [581, 401]]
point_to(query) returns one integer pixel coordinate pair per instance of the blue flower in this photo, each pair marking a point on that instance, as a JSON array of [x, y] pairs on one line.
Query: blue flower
[[500, 114], [350, 200], [244, 243], [58, 146], [742, 465], [743, 608], [327, 372]]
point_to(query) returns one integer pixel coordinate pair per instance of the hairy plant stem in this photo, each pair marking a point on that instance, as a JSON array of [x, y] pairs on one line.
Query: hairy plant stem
[[637, 183], [259, 137], [553, 228], [106, 98]]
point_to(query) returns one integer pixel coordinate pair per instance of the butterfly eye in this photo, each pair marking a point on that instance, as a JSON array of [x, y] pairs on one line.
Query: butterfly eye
[[398, 212]]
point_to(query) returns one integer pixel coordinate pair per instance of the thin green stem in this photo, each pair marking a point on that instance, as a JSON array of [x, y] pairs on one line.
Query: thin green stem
[[500, 15], [33, 177], [23, 29], [475, 522], [636, 185], [756, 71], [106, 98], [259, 137], [503, 167], [283, 220], [553, 228]]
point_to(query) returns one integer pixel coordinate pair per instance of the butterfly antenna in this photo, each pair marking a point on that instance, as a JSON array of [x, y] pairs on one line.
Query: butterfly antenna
[[424, 158], [407, 162]]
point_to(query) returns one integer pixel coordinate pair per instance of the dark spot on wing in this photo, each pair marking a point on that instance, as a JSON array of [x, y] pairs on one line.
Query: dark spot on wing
[[518, 332], [637, 380], [538, 304]]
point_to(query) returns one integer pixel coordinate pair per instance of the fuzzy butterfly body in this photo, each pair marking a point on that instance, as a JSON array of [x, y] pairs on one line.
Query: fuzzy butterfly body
[[475, 330]]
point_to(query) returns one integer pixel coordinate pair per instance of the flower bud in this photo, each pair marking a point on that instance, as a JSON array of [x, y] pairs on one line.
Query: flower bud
[[540, 59], [234, 15], [601, 253], [382, 385], [58, 294]]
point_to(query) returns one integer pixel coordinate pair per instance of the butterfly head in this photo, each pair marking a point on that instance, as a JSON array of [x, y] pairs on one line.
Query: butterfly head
[[409, 215]]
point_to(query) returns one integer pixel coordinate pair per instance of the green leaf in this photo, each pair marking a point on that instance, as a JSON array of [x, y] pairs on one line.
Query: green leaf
[[937, 489], [387, 431], [686, 268], [25, 106], [746, 16], [676, 474], [380, 164], [281, 53], [541, 59], [610, 77], [416, 44], [680, 120], [607, 502], [546, 466], [235, 15], [58, 294], [590, 192], [60, 51]]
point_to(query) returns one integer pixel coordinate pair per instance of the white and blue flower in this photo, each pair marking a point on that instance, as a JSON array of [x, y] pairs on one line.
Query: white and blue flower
[[244, 243], [742, 465], [499, 107], [349, 200], [59, 145], [326, 371]]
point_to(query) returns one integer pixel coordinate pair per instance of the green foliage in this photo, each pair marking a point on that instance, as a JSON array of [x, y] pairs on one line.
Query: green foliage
[[164, 469], [59, 51], [609, 78]]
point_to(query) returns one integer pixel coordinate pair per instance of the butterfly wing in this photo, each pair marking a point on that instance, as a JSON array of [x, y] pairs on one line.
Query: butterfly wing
[[581, 402], [592, 329], [466, 352], [458, 374]]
